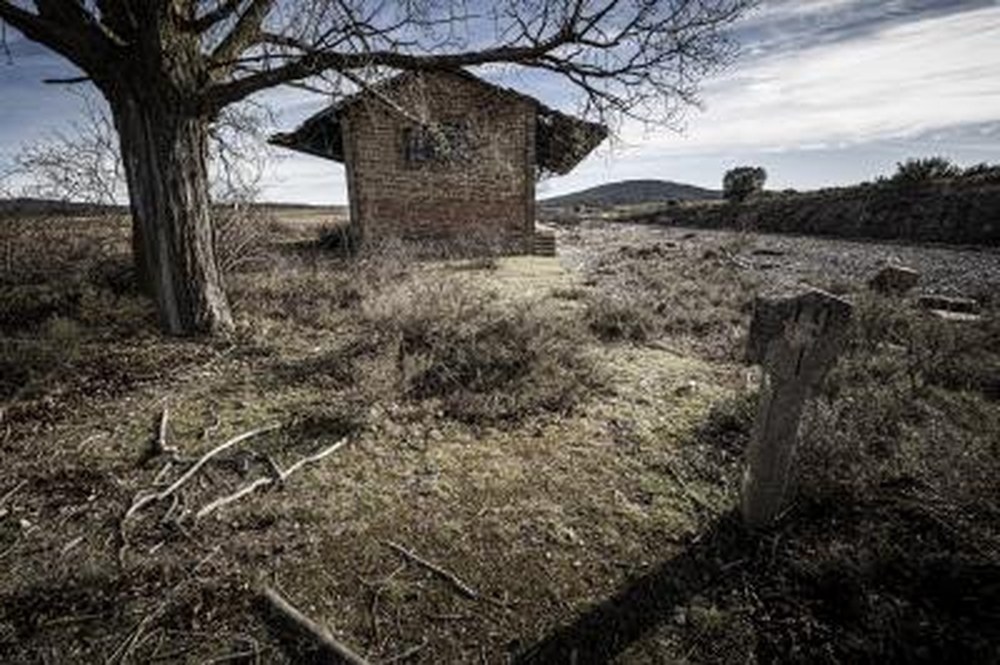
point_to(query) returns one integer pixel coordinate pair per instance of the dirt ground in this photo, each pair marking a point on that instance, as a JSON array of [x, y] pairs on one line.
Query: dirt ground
[[572, 517]]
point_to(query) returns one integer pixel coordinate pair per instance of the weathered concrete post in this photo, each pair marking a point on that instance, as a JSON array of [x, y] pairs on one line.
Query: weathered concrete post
[[796, 338]]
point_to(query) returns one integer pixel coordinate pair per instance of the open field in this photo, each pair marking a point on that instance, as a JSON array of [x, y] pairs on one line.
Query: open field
[[564, 435]]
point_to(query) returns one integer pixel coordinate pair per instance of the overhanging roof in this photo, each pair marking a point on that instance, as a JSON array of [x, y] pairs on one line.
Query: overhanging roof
[[561, 141]]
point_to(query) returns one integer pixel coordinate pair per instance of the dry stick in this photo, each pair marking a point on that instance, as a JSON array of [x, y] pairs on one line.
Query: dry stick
[[90, 439], [278, 477], [209, 429], [235, 496], [685, 488], [8, 495], [160, 446], [455, 581], [190, 473], [409, 653], [322, 637]]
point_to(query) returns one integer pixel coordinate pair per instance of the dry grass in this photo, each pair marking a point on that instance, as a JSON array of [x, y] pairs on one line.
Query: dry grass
[[482, 361], [700, 299], [495, 428]]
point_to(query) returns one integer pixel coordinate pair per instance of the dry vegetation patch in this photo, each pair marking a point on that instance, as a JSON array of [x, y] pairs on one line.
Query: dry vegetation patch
[[567, 442]]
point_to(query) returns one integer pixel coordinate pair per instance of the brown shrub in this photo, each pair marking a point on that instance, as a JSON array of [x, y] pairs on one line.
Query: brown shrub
[[642, 296], [240, 234], [619, 317], [912, 400], [483, 361]]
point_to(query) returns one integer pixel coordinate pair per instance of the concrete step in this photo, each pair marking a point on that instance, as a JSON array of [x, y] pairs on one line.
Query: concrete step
[[544, 243]]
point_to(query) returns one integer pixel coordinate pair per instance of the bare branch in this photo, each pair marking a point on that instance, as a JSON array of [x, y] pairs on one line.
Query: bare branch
[[278, 477], [244, 34], [222, 11], [313, 63], [72, 80], [67, 30]]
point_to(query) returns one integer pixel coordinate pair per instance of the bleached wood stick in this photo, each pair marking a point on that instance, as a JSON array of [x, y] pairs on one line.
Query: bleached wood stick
[[235, 496], [455, 581], [161, 446], [313, 458], [190, 473], [279, 477], [319, 635]]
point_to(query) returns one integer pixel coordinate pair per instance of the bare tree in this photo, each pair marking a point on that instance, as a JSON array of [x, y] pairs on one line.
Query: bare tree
[[80, 165], [168, 68]]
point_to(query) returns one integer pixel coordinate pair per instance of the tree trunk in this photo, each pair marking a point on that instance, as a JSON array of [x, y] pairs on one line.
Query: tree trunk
[[164, 153]]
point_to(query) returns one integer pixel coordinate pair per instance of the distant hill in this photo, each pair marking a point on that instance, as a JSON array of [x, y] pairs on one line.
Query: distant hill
[[633, 191]]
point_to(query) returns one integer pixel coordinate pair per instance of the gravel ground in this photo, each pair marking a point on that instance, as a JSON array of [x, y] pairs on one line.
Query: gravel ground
[[787, 259]]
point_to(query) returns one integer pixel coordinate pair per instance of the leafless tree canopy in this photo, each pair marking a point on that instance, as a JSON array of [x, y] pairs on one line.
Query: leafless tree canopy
[[170, 68], [637, 58]]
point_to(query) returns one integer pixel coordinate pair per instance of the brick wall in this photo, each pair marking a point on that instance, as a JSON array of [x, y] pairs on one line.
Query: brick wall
[[487, 193]]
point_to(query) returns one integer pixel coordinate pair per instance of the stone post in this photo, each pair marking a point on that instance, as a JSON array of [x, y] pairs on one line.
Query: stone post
[[796, 338]]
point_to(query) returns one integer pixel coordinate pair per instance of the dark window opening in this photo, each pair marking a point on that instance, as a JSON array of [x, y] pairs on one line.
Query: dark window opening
[[440, 143]]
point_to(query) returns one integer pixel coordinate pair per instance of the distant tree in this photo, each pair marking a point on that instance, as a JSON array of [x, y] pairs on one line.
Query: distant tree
[[742, 182], [169, 68], [915, 171], [982, 172]]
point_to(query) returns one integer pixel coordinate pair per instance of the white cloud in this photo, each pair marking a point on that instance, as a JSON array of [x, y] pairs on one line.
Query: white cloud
[[927, 74]]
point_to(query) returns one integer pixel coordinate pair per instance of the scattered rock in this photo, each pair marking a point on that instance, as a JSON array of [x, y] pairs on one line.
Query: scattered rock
[[894, 280], [685, 389], [949, 304]]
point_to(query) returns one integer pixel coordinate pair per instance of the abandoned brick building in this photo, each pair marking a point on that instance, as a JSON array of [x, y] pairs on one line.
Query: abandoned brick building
[[444, 154]]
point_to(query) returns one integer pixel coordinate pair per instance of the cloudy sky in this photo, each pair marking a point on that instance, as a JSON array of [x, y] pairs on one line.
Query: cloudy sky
[[826, 92]]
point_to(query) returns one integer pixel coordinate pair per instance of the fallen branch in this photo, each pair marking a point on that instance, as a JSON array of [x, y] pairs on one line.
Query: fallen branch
[[190, 473], [450, 577], [321, 637], [278, 476]]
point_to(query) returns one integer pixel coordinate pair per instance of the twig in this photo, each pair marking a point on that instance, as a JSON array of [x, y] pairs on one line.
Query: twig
[[209, 429], [685, 488], [409, 653], [190, 473], [160, 446], [162, 473], [235, 496], [455, 581], [379, 586], [17, 488], [319, 635], [313, 458], [70, 545], [278, 476], [90, 439]]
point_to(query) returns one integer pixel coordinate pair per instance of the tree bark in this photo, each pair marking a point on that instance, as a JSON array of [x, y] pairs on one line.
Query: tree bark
[[164, 154]]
